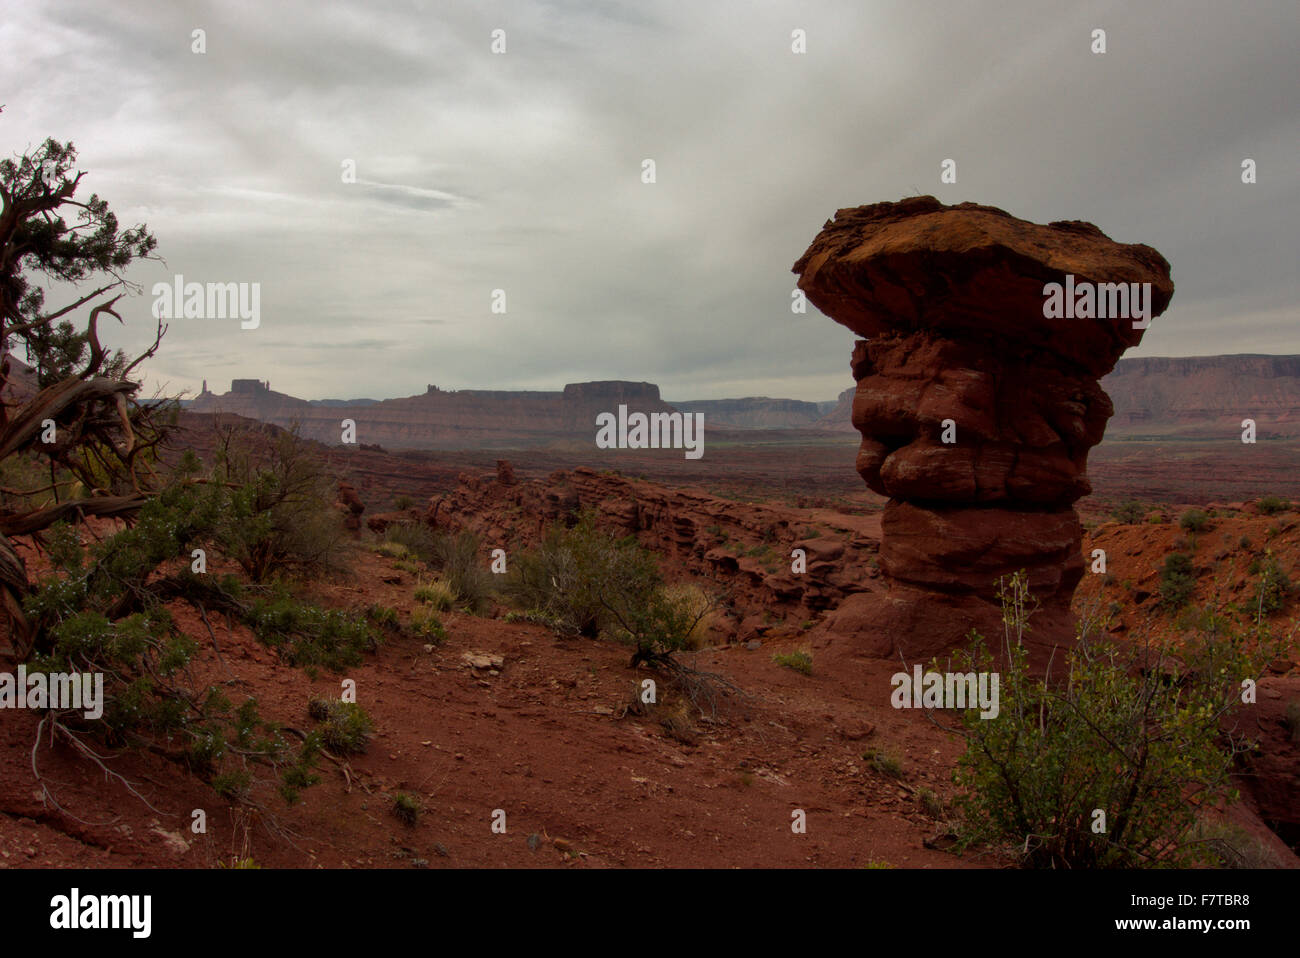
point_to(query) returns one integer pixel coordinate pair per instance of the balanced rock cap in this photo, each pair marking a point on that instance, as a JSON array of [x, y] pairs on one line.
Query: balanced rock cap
[[977, 271]]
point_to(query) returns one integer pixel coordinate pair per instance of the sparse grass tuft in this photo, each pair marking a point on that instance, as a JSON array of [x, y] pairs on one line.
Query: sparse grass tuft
[[799, 661], [438, 594], [392, 550], [884, 763], [345, 727], [694, 604], [426, 625], [930, 802], [406, 808]]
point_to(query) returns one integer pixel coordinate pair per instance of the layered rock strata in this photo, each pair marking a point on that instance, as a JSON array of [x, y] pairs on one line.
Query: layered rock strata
[[976, 404]]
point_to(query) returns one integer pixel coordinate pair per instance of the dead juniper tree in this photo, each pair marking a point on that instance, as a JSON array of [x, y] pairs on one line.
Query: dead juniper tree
[[74, 426]]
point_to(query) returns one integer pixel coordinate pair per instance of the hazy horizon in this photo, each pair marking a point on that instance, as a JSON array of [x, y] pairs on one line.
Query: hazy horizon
[[521, 171], [218, 390]]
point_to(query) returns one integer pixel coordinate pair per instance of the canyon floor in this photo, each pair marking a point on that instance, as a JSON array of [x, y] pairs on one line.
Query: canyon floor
[[552, 733]]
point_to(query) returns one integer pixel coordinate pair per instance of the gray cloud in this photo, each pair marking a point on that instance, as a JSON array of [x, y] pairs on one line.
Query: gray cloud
[[522, 171]]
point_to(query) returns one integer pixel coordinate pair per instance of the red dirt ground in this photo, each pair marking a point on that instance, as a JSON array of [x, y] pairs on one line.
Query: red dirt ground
[[546, 739]]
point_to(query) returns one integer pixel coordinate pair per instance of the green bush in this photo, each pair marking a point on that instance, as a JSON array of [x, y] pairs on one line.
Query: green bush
[[1177, 581], [406, 808], [459, 558], [1272, 505], [1129, 512], [588, 582], [559, 579], [384, 616], [309, 636], [1115, 729], [406, 539], [278, 514], [102, 608], [426, 625], [1194, 520], [1274, 584], [344, 726]]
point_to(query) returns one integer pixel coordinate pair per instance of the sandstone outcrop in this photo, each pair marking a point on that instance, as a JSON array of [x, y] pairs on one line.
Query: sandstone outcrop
[[976, 410], [745, 547], [350, 506]]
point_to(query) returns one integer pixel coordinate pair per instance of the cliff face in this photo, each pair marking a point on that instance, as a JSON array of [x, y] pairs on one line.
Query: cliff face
[[840, 417], [1205, 396], [1196, 397], [464, 418], [755, 412]]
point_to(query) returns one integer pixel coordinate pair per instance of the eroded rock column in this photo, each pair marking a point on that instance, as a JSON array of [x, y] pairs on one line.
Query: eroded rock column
[[977, 400]]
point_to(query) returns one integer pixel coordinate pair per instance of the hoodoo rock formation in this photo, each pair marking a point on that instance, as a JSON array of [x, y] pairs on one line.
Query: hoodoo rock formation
[[976, 410]]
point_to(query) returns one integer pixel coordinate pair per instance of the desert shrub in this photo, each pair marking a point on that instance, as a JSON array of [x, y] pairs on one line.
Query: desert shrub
[[1129, 512], [392, 550], [589, 582], [930, 803], [559, 578], [344, 726], [102, 608], [1274, 584], [1272, 505], [799, 661], [1117, 729], [426, 625], [884, 763], [406, 808], [438, 594], [464, 569], [307, 635], [696, 604], [1177, 581], [411, 539], [534, 617], [676, 719], [1194, 520], [384, 616], [403, 503], [278, 514]]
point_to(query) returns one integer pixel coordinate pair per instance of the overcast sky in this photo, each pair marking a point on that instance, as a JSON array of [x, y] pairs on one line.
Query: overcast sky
[[522, 171]]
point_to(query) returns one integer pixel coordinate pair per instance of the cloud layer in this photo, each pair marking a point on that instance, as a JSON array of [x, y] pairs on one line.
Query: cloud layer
[[521, 171]]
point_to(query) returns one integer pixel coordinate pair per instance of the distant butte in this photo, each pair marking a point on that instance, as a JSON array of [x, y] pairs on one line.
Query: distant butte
[[976, 411]]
